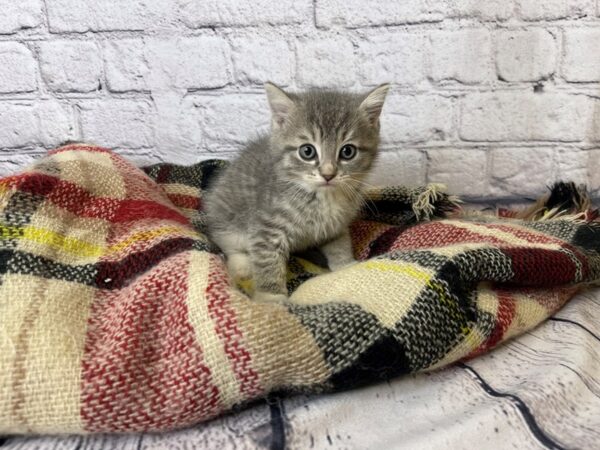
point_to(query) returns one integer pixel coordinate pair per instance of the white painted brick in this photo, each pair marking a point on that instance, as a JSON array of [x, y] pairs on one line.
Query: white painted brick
[[464, 172], [593, 133], [71, 66], [99, 15], [208, 13], [525, 116], [230, 120], [392, 57], [19, 125], [17, 68], [486, 10], [260, 59], [126, 66], [407, 118], [182, 138], [573, 164], [521, 171], [554, 9], [56, 123], [183, 63], [190, 126], [399, 167], [581, 61], [29, 123], [19, 15], [365, 13], [463, 55], [525, 55], [190, 63], [326, 63], [118, 122], [593, 164], [13, 163]]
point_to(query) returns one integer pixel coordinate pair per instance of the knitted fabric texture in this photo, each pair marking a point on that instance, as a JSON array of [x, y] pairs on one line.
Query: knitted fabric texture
[[117, 314]]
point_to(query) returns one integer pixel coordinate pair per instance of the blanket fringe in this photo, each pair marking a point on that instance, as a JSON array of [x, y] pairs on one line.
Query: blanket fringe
[[565, 201], [424, 206]]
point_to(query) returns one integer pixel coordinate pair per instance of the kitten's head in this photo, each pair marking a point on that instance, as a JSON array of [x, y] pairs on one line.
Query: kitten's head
[[325, 140]]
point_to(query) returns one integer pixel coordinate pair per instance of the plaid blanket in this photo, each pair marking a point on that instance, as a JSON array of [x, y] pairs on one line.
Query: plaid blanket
[[117, 314]]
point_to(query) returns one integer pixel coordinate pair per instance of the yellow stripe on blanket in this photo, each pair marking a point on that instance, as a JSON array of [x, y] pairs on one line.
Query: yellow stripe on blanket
[[4, 189], [82, 248], [354, 284], [50, 239], [395, 267], [148, 235], [424, 277]]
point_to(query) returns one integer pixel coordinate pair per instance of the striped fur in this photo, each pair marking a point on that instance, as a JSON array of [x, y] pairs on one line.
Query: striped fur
[[271, 202]]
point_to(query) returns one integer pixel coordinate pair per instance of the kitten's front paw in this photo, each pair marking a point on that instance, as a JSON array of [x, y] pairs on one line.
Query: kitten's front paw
[[340, 264], [239, 267], [269, 297]]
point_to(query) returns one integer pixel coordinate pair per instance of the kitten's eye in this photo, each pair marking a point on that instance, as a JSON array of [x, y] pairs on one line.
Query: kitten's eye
[[307, 152], [348, 152]]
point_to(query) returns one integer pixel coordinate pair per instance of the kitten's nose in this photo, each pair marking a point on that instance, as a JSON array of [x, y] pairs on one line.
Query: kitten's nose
[[327, 171]]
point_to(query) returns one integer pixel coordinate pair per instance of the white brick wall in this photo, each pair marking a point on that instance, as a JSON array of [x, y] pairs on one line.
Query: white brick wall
[[494, 98]]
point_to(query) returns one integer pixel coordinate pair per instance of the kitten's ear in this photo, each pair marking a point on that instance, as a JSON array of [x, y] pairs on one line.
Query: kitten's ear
[[373, 103], [281, 105]]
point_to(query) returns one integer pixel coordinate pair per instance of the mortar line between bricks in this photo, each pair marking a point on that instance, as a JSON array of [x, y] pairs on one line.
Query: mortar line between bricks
[[590, 90], [455, 25], [46, 16]]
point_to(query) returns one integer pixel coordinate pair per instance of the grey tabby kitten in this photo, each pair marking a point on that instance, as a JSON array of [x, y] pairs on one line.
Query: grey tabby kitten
[[298, 188]]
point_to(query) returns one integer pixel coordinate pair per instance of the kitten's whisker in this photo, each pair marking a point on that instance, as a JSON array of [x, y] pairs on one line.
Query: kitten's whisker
[[366, 201], [355, 195], [365, 183], [366, 198]]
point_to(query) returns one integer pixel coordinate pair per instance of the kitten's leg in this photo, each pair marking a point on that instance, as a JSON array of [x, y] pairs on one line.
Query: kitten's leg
[[234, 246], [269, 254], [239, 266], [339, 251]]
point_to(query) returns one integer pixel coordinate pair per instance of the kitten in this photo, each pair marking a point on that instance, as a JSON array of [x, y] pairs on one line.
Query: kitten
[[299, 187]]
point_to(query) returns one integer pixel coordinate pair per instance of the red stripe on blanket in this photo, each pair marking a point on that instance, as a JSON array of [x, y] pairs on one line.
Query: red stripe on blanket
[[439, 234], [185, 201], [142, 367], [552, 299], [541, 267], [507, 213], [536, 237], [224, 317], [504, 317], [131, 210], [137, 184], [77, 200], [32, 183], [163, 174], [118, 273], [364, 235]]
